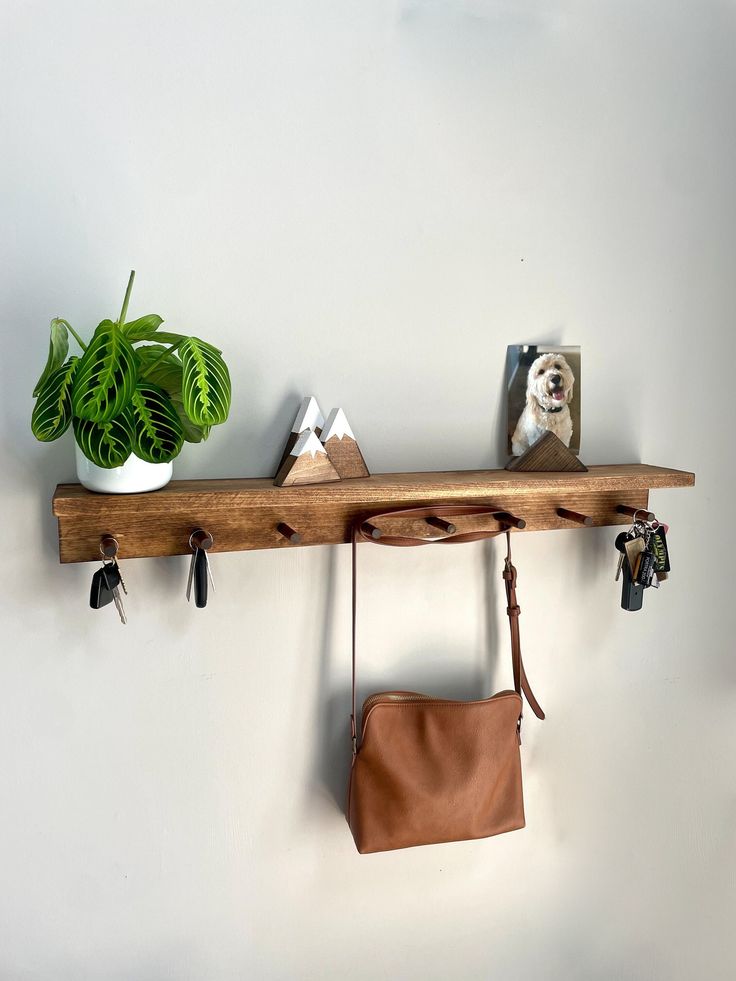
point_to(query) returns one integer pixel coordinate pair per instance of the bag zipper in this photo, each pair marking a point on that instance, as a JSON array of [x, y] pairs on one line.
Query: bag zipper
[[389, 697], [394, 697], [398, 696]]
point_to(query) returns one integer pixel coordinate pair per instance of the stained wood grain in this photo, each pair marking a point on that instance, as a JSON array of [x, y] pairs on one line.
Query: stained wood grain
[[346, 457], [548, 453], [243, 514], [305, 469]]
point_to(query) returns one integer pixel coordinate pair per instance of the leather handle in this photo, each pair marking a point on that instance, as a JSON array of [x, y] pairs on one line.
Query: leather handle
[[362, 528], [360, 533]]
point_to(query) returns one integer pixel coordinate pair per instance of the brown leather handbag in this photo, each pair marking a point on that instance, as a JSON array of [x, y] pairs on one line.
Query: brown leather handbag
[[428, 770]]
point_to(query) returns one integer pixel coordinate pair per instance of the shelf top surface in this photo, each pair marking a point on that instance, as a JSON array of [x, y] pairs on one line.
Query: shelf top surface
[[73, 499]]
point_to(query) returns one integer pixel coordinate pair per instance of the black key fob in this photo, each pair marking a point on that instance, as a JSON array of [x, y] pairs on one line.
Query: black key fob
[[622, 538], [200, 578], [103, 583], [632, 593]]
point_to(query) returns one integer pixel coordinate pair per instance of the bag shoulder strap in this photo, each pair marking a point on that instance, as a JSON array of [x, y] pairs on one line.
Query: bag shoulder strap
[[521, 683]]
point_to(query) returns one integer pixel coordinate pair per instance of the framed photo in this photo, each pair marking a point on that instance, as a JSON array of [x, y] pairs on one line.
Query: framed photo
[[543, 383]]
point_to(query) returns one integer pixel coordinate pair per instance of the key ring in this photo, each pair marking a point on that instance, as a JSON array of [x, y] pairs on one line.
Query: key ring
[[653, 524], [109, 547], [204, 540]]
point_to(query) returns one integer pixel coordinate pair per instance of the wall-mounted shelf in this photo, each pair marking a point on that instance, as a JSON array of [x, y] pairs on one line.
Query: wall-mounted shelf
[[246, 514]]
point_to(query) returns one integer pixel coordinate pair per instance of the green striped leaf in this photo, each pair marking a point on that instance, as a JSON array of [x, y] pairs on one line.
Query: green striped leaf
[[160, 366], [192, 432], [142, 328], [206, 391], [157, 432], [106, 375], [58, 350], [169, 337], [108, 444], [52, 412]]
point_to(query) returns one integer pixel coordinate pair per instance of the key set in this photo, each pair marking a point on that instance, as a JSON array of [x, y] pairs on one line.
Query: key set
[[199, 567], [644, 560], [108, 581]]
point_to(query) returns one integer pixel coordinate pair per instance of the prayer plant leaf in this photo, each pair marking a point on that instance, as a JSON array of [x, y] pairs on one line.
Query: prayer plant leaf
[[192, 432], [158, 434], [58, 350], [108, 444], [160, 366], [106, 375], [206, 391], [143, 327], [52, 412]]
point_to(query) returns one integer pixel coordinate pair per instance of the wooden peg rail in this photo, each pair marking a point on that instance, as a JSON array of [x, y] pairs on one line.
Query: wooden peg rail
[[252, 513]]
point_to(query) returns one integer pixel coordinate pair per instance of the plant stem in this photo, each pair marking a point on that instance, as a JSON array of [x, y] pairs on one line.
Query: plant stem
[[163, 355], [123, 312], [74, 334]]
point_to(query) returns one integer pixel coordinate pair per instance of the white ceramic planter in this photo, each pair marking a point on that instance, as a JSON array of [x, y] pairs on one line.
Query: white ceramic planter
[[134, 477]]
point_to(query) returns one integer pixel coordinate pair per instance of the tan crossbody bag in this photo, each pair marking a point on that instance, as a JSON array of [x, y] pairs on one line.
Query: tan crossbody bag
[[426, 769]]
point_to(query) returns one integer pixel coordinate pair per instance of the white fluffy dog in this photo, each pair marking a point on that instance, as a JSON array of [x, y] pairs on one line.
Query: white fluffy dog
[[549, 387]]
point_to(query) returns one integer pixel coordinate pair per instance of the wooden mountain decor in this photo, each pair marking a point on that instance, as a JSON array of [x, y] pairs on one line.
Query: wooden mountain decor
[[308, 417], [341, 446], [548, 453], [307, 463]]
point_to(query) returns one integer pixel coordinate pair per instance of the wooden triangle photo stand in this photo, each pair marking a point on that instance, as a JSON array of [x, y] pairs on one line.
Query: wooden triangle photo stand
[[548, 453]]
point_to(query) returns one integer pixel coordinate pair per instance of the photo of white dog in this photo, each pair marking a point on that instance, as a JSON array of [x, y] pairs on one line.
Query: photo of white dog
[[549, 390]]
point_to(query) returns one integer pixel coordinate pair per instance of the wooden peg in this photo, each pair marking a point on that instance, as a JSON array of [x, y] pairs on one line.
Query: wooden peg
[[200, 538], [371, 531], [641, 512], [443, 525], [108, 546], [293, 536], [579, 519], [506, 518]]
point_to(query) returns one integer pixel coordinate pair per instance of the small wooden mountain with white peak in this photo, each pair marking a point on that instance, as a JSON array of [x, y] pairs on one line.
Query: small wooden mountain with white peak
[[341, 446], [309, 417], [307, 463]]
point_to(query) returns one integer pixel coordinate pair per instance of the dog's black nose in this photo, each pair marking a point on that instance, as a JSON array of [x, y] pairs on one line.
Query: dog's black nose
[[555, 379]]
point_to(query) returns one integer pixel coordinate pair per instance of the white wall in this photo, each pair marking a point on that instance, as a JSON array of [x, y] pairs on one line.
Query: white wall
[[369, 201]]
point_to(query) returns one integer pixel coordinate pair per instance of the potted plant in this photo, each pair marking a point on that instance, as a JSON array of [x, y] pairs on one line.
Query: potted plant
[[133, 397]]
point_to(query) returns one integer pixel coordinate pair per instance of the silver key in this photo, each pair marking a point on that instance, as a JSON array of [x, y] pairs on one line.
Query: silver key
[[117, 579], [209, 570], [118, 601], [190, 580], [622, 555], [120, 573]]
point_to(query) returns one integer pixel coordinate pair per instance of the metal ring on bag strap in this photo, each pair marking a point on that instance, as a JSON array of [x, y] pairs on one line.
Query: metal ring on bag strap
[[521, 683]]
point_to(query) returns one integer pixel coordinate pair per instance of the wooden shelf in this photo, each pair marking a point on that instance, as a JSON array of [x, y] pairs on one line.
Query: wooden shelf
[[245, 514]]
